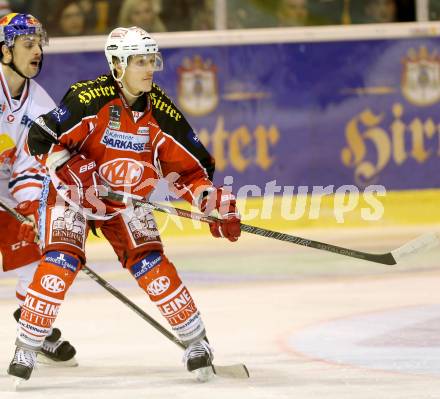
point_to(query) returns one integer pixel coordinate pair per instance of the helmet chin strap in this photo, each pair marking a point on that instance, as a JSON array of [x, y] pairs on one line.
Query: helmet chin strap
[[122, 87], [126, 91]]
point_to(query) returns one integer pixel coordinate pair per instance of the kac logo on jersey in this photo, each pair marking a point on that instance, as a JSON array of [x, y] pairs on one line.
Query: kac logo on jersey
[[122, 172], [158, 286], [53, 283], [124, 141]]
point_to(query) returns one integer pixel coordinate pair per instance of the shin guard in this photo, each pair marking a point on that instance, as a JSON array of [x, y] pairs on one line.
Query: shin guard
[[158, 277], [52, 279]]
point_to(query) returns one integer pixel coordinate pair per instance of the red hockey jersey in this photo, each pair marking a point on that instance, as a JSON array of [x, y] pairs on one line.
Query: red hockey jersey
[[132, 146]]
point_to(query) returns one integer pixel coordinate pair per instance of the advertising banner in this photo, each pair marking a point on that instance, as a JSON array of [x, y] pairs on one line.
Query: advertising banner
[[301, 114]]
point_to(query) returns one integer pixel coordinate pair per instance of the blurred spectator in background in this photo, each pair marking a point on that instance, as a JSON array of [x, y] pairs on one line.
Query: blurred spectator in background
[[251, 14], [68, 19], [298, 13], [203, 17], [140, 13], [39, 9], [185, 15], [114, 7], [380, 11], [4, 8], [292, 13], [20, 6], [90, 14], [79, 17]]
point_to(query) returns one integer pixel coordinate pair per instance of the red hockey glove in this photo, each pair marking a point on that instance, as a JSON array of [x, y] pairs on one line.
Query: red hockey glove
[[28, 230], [223, 201], [81, 176]]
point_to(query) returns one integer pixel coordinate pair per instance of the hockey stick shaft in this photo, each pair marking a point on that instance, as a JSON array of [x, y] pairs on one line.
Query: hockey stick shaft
[[107, 286], [386, 258], [230, 371]]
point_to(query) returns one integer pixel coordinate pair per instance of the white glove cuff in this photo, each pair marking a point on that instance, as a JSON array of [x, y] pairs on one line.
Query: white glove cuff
[[204, 194], [57, 159]]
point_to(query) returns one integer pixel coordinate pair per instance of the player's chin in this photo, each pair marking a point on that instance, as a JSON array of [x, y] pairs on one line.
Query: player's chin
[[31, 72], [148, 85]]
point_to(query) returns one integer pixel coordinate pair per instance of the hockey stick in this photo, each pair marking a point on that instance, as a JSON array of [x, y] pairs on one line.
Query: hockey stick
[[232, 371], [420, 243]]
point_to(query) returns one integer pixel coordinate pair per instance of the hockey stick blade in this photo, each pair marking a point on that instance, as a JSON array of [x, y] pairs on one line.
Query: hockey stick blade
[[420, 244], [231, 371]]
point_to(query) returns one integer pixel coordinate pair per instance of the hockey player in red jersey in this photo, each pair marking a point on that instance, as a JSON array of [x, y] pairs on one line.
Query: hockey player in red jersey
[[123, 132], [21, 176]]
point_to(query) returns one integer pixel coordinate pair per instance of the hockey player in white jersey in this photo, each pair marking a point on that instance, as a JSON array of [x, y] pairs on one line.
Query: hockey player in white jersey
[[21, 176]]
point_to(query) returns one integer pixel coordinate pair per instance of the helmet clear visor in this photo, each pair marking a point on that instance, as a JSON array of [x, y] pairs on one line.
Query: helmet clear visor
[[153, 61], [28, 34], [43, 36], [30, 40]]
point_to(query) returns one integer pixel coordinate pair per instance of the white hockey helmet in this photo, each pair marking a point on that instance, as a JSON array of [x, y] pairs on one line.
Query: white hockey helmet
[[125, 42]]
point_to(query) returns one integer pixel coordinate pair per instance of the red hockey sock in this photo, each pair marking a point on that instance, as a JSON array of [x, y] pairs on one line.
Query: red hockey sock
[[158, 277], [52, 279]]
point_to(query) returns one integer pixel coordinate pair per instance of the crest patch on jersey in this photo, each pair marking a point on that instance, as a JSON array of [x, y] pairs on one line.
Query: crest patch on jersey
[[144, 131], [114, 117], [60, 114], [67, 227]]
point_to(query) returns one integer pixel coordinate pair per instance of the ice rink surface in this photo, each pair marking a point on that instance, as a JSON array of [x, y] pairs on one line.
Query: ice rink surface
[[308, 324]]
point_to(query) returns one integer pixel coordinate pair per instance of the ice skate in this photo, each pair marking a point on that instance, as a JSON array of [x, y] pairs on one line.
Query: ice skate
[[58, 353], [21, 366], [54, 351], [198, 360]]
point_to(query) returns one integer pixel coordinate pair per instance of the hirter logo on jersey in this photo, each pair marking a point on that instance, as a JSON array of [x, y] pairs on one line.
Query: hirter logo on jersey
[[125, 141], [122, 172]]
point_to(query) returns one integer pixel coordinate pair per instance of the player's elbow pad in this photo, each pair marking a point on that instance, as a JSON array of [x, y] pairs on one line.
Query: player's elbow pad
[[40, 138]]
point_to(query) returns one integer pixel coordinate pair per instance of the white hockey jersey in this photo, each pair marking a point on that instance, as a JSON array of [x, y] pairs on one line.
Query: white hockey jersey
[[21, 176]]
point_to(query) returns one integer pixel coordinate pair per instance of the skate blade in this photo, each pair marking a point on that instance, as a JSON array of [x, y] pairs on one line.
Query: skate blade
[[204, 374], [46, 361], [17, 382]]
